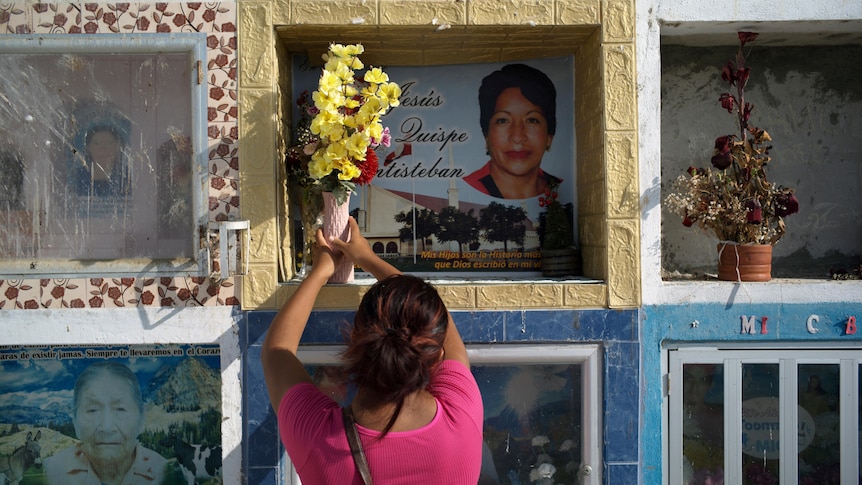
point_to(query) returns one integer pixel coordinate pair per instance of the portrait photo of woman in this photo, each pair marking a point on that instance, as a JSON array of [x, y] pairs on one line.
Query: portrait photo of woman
[[99, 163], [517, 113]]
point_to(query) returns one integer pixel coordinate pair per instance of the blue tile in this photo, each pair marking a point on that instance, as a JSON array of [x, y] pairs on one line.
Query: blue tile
[[620, 325], [621, 474], [262, 476], [540, 325], [258, 323], [260, 431], [621, 401], [571, 325], [478, 327], [326, 327]]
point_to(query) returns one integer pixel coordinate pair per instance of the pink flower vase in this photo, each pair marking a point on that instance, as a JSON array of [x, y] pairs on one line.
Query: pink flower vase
[[335, 223]]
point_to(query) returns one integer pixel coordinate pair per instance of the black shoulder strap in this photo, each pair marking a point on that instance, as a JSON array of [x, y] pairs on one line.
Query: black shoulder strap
[[355, 444]]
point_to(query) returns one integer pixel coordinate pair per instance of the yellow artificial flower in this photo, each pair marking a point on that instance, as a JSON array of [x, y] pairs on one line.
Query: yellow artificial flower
[[345, 51], [356, 145], [369, 92], [348, 121], [391, 92], [327, 100], [371, 109], [347, 170], [329, 125], [376, 75], [343, 72], [319, 167], [329, 82], [334, 152], [374, 131], [351, 102]]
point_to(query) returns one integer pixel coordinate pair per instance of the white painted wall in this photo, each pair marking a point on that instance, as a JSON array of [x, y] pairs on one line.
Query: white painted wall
[[723, 18]]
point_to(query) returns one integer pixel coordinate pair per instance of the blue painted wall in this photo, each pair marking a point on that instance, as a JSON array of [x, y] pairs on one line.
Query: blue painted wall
[[616, 330], [717, 323]]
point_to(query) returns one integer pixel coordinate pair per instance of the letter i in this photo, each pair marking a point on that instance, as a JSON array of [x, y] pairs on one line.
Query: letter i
[[763, 330]]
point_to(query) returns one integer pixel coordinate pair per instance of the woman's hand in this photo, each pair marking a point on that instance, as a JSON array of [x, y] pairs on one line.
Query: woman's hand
[[357, 249], [325, 259], [359, 252]]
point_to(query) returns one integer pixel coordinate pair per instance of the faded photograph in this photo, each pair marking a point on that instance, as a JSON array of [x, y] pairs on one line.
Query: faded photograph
[[125, 415]]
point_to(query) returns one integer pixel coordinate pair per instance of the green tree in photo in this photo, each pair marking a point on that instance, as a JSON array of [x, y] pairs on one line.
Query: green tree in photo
[[504, 223], [426, 225], [458, 226]]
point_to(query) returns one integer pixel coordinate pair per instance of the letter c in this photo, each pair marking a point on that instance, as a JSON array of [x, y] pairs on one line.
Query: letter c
[[810, 324]]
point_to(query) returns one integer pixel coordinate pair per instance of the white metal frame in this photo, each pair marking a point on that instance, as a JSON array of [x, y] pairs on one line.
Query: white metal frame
[[788, 359], [587, 355], [192, 44]]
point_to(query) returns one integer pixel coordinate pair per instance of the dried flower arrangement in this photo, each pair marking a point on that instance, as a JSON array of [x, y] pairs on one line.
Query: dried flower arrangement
[[734, 200]]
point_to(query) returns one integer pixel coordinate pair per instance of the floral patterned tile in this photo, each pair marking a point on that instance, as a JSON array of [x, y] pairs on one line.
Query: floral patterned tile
[[63, 293], [19, 294], [56, 18], [218, 21], [146, 292], [121, 18], [196, 291], [111, 292], [223, 160], [16, 18], [221, 105], [219, 17]]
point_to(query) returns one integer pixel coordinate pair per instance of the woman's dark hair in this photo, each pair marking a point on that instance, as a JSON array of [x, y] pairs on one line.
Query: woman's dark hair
[[396, 342], [534, 85]]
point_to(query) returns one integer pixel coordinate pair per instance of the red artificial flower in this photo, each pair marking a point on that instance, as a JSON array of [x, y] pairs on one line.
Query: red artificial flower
[[746, 37], [368, 168], [721, 160], [755, 212], [687, 221], [746, 112], [727, 101], [722, 157], [786, 204], [728, 72], [742, 75]]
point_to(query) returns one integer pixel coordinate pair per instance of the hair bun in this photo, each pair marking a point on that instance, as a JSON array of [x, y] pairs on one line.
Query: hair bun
[[397, 335]]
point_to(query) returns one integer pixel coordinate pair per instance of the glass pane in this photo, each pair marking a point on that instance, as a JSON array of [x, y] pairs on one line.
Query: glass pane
[[532, 423], [332, 381], [760, 424], [703, 423], [96, 156], [819, 424]]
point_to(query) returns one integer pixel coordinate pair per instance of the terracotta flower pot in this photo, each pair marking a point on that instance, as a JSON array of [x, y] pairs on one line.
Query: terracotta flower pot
[[335, 223], [744, 262]]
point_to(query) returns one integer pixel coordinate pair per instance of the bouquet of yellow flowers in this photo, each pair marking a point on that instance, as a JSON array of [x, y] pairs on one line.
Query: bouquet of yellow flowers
[[340, 130]]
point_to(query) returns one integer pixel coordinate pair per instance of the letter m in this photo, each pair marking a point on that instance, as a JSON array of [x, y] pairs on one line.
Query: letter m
[[747, 324]]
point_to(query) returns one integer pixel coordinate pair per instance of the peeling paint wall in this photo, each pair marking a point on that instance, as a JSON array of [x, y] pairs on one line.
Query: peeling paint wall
[[809, 99]]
